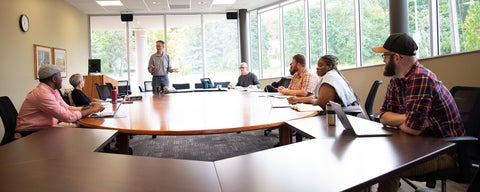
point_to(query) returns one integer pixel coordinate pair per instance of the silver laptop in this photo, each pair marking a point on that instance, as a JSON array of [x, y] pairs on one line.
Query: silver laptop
[[365, 128], [107, 113]]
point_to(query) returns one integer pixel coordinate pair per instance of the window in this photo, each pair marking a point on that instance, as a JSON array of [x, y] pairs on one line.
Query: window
[[221, 48], [375, 28], [341, 32], [315, 31], [270, 52]]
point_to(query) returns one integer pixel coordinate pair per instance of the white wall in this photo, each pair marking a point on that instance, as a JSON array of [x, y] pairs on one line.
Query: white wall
[[53, 23]]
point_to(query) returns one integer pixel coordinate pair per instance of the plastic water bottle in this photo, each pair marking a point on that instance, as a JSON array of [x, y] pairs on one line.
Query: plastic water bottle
[[330, 114]]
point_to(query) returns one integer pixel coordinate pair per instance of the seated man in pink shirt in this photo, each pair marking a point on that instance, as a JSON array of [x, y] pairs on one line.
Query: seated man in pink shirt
[[44, 107]]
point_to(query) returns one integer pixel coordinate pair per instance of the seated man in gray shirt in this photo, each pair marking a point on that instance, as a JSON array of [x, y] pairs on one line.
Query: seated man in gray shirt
[[246, 78]]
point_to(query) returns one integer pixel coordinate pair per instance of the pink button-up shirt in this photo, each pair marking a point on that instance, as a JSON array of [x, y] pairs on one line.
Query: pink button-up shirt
[[43, 107], [305, 80]]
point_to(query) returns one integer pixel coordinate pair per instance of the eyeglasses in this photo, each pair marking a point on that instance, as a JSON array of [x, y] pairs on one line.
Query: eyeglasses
[[386, 54], [242, 67]]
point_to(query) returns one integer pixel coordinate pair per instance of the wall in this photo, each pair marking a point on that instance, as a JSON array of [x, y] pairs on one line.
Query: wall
[[53, 23]]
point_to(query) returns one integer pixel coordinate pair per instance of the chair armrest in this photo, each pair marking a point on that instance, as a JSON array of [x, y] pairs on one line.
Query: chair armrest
[[461, 139]]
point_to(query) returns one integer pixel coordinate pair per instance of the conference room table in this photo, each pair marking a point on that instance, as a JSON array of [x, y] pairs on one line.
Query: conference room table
[[332, 160], [195, 113], [69, 159]]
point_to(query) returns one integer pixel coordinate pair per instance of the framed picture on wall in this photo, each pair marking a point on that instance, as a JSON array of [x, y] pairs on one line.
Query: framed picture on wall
[[60, 59], [42, 55]]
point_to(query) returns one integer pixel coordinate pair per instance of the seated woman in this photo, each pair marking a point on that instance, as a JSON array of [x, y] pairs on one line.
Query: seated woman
[[78, 97], [331, 87]]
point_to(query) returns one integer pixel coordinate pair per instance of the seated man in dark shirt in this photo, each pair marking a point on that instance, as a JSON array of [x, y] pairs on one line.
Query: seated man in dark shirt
[[78, 97], [246, 78]]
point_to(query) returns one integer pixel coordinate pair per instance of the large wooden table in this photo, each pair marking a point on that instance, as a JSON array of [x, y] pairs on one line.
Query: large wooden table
[[195, 113], [334, 160], [64, 159]]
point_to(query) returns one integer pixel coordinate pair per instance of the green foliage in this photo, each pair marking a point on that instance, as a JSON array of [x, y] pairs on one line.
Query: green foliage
[[471, 27]]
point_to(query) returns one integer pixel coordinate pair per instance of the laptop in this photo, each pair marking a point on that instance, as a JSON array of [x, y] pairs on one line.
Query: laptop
[[367, 128], [107, 113]]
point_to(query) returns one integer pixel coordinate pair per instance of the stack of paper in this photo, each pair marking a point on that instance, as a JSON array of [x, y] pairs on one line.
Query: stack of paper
[[306, 107]]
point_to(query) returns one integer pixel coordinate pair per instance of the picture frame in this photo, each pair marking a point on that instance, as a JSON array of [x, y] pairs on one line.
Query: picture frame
[[42, 56], [60, 59]]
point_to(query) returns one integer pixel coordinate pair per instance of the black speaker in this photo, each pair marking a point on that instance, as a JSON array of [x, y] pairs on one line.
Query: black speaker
[[94, 66], [232, 15], [127, 17]]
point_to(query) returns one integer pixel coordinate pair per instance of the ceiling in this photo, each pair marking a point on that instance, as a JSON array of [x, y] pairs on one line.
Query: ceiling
[[90, 7]]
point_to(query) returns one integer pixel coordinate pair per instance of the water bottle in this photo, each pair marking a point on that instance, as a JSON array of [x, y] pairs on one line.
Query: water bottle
[[330, 114]]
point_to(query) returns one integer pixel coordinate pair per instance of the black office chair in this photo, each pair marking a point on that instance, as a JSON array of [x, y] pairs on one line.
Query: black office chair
[[181, 85], [123, 88], [198, 86], [104, 91], [371, 99], [147, 86], [467, 147], [223, 83], [9, 114], [475, 183]]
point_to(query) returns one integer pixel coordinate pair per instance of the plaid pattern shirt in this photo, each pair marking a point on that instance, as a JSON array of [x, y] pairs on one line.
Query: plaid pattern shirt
[[421, 96], [304, 80]]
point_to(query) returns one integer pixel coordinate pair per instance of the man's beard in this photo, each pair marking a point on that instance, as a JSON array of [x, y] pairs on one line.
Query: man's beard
[[293, 71], [389, 69]]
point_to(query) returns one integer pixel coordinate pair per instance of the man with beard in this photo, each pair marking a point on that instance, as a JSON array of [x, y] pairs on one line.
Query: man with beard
[[303, 81], [417, 103], [44, 107]]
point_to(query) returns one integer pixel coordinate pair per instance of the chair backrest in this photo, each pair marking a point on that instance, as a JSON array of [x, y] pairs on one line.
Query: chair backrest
[[181, 85], [104, 91], [9, 114], [223, 83], [468, 103], [147, 86], [371, 98], [198, 86], [123, 88]]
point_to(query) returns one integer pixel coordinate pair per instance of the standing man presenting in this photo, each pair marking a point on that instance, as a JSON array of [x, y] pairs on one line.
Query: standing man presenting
[[159, 66]]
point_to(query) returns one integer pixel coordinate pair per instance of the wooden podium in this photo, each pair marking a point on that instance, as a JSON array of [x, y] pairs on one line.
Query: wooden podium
[[90, 81]]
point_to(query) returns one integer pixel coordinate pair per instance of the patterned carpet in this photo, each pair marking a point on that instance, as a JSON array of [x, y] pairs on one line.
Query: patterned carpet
[[203, 147]]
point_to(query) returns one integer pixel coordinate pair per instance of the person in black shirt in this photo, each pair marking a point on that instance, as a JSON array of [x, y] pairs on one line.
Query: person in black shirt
[[78, 97]]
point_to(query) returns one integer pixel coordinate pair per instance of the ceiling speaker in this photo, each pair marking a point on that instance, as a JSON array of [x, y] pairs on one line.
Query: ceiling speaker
[[232, 15], [126, 17]]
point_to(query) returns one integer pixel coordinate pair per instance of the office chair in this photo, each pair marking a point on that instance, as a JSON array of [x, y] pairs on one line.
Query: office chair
[[371, 99], [467, 147], [181, 85], [9, 114], [147, 86], [104, 91], [123, 88], [198, 86], [223, 83], [475, 183]]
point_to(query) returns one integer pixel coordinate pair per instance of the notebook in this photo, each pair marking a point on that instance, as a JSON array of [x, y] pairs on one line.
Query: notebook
[[109, 112], [366, 129]]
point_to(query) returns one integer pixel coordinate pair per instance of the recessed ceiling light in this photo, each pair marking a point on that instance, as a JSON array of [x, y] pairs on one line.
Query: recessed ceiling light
[[223, 2], [110, 3]]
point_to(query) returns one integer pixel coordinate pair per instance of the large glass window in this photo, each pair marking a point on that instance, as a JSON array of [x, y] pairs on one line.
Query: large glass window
[[254, 43], [419, 25], [184, 45], [341, 32], [469, 24], [108, 43], [270, 44], [315, 31], [293, 31], [222, 48], [375, 28]]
